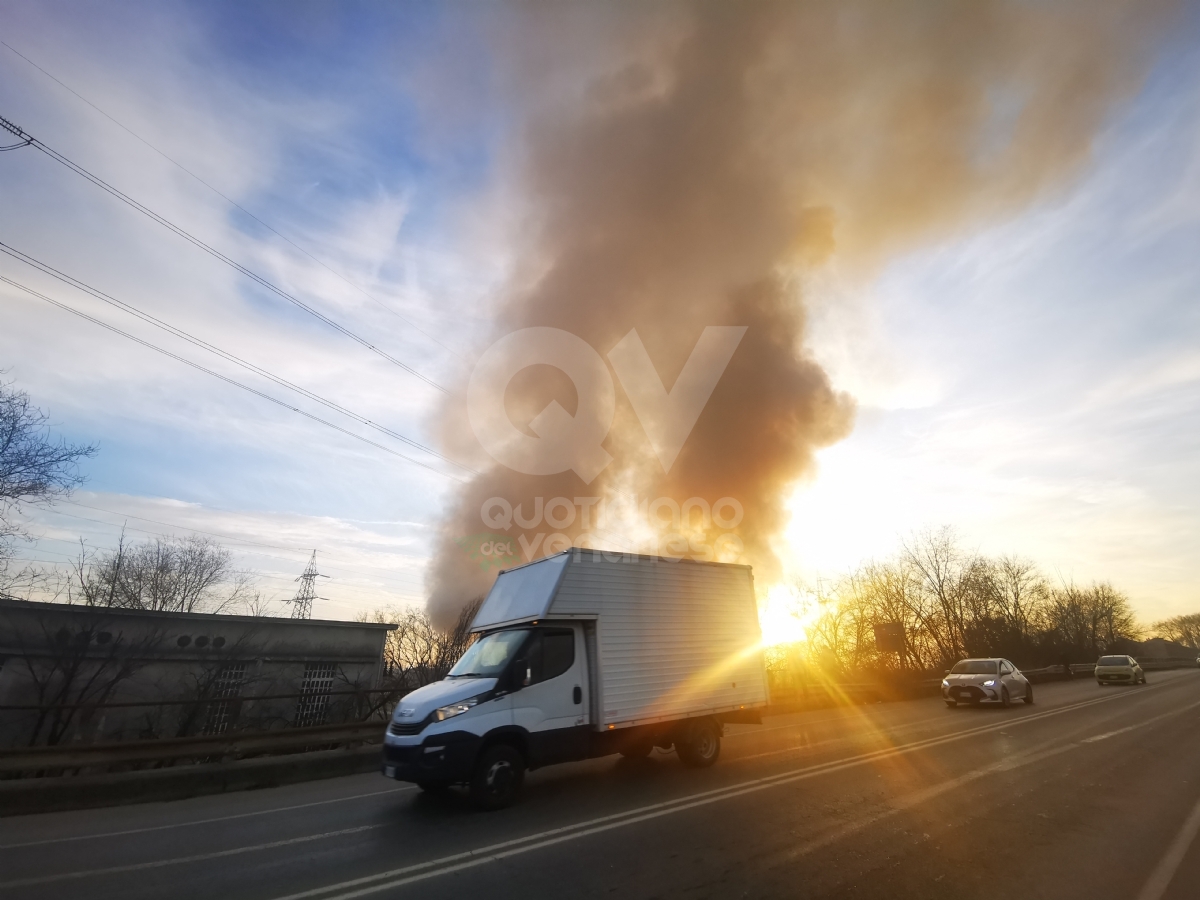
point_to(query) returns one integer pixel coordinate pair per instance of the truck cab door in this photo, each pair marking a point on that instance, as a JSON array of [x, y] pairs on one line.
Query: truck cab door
[[552, 708]]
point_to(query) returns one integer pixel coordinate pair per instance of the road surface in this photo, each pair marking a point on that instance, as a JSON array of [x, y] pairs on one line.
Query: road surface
[[1090, 793]]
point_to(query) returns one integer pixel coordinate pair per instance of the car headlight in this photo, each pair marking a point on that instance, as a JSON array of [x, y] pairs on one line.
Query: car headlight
[[443, 713], [990, 683], [945, 683]]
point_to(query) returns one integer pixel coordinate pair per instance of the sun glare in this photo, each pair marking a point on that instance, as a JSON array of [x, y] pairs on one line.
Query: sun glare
[[784, 615]]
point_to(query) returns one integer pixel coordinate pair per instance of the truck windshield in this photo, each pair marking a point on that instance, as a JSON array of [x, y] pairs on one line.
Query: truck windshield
[[488, 656]]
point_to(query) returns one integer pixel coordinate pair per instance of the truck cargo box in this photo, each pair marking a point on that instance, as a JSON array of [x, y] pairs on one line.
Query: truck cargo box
[[667, 639]]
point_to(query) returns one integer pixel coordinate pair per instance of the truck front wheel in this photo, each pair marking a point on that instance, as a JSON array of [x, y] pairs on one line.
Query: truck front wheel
[[700, 745], [498, 776]]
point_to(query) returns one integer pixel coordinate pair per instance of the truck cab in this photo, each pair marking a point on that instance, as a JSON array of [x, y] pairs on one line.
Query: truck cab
[[525, 686]]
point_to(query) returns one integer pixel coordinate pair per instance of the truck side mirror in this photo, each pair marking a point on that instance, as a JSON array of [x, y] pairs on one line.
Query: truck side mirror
[[521, 674]]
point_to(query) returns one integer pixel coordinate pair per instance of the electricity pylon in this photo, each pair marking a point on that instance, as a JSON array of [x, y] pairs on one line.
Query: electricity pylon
[[302, 602]]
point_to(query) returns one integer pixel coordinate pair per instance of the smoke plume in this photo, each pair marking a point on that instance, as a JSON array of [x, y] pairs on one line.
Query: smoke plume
[[683, 166]]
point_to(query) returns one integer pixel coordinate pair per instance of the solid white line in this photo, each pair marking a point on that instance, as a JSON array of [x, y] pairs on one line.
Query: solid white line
[[1108, 734], [159, 863], [1160, 878], [471, 858]]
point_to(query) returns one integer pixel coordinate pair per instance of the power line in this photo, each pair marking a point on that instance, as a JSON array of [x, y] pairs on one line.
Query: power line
[[47, 269], [224, 197], [212, 251], [217, 534], [68, 560], [352, 569], [225, 378]]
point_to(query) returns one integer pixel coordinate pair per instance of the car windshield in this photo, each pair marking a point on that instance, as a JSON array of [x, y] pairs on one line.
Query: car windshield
[[1113, 661], [974, 667], [488, 656]]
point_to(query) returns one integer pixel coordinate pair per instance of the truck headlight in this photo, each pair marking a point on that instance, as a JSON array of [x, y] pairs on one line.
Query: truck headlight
[[454, 709], [990, 683]]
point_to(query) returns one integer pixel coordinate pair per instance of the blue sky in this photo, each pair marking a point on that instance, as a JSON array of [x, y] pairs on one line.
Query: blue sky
[[1034, 382]]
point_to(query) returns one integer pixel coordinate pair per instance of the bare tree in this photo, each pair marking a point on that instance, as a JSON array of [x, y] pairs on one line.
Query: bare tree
[[1020, 592], [951, 603], [944, 573], [191, 574], [255, 604], [1090, 620], [1183, 629], [34, 468], [417, 652]]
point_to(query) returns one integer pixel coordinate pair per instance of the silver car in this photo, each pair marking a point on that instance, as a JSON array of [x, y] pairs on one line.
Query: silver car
[[978, 681]]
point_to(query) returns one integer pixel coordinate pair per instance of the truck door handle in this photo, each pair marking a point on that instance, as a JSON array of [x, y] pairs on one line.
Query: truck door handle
[[577, 694]]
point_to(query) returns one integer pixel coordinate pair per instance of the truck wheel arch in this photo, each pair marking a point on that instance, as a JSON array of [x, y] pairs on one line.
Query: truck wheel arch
[[515, 737]]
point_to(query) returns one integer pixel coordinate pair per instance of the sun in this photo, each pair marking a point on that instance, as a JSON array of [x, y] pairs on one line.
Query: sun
[[785, 615]]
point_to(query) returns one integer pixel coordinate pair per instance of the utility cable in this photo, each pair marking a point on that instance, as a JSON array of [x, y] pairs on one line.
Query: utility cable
[[224, 354], [225, 378], [125, 526], [212, 251], [226, 198], [222, 535]]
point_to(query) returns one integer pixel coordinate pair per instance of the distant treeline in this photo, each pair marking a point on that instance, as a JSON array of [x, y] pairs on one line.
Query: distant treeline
[[953, 603]]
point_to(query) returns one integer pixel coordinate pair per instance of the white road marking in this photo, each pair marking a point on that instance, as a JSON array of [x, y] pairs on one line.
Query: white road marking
[[174, 861], [245, 815], [359, 887], [472, 858], [1160, 878], [1108, 734], [824, 742], [908, 802]]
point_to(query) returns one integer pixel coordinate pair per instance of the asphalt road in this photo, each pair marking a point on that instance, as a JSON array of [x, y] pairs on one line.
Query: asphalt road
[[1090, 793]]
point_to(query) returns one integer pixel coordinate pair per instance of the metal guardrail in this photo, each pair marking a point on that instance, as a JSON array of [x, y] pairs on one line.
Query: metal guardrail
[[223, 746]]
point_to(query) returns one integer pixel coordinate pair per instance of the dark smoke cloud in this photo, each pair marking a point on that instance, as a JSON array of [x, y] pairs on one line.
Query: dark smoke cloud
[[682, 165]]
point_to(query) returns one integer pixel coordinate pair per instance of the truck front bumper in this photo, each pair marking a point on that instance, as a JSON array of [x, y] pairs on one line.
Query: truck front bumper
[[448, 757]]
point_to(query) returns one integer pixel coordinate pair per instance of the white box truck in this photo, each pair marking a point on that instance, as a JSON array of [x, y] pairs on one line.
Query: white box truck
[[585, 654]]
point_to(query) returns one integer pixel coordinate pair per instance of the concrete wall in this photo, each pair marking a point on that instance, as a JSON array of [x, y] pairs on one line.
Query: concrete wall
[[83, 660]]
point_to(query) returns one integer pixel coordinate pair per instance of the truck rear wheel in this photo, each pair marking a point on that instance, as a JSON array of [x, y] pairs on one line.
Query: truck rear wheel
[[700, 745], [498, 776]]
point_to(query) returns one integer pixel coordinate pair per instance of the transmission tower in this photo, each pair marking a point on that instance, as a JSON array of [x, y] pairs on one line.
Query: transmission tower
[[302, 602]]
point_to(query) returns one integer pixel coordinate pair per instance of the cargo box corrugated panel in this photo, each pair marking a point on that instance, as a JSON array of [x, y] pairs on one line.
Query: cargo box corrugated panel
[[675, 638]]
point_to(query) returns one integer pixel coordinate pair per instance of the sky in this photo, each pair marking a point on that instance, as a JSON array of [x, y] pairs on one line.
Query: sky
[[1033, 382]]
